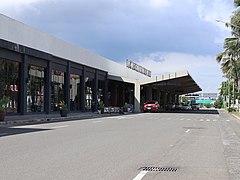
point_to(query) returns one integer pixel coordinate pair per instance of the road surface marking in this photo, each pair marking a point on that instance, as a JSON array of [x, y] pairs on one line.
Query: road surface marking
[[130, 117], [214, 120], [181, 119], [201, 120], [189, 119], [208, 120], [97, 121], [187, 131], [114, 117], [121, 117], [140, 175], [227, 120], [57, 127]]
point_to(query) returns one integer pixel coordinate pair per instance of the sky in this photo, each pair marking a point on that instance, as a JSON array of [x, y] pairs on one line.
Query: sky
[[161, 35]]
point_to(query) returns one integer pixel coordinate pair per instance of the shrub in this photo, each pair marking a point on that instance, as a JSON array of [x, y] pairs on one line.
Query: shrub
[[232, 109]]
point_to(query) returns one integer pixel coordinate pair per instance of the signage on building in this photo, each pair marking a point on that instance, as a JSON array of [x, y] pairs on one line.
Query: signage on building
[[138, 68]]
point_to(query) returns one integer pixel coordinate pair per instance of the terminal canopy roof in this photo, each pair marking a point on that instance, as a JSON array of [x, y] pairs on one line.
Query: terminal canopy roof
[[178, 83]]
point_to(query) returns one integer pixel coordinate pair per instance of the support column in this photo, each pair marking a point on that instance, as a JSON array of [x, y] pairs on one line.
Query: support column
[[164, 100], [95, 91], [106, 91], [48, 87], [23, 86], [148, 93], [67, 85], [137, 97], [158, 95], [83, 93]]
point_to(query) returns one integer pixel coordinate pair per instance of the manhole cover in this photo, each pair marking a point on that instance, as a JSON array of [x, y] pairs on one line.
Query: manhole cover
[[167, 169]]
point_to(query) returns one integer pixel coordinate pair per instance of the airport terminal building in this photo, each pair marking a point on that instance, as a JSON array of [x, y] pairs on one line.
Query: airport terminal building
[[37, 71]]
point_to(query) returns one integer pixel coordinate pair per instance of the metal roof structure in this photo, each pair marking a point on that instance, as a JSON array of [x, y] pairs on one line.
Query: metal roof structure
[[178, 83]]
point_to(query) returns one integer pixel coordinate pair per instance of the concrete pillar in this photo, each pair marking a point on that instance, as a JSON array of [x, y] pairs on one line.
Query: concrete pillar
[[148, 93], [137, 97], [158, 95], [83, 93], [23, 85], [106, 91], [48, 89], [164, 99], [67, 85]]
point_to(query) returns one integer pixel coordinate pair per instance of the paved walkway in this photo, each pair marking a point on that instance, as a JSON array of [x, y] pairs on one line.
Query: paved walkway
[[37, 118]]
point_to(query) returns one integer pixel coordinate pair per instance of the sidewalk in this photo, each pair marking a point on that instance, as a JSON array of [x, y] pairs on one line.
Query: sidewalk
[[55, 117], [236, 115]]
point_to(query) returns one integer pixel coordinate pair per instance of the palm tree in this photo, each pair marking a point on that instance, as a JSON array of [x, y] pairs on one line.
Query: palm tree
[[237, 3], [230, 61]]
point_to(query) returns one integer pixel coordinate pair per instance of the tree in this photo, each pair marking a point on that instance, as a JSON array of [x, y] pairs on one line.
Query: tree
[[230, 57], [237, 3]]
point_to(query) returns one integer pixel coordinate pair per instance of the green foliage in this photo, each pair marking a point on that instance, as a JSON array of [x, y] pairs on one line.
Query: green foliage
[[125, 107], [101, 106], [208, 105], [63, 105], [232, 109], [218, 103], [185, 100], [237, 3], [3, 103]]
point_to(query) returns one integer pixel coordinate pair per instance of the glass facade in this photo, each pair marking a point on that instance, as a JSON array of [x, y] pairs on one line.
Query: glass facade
[[89, 93], [35, 89], [57, 89], [101, 85], [38, 85], [9, 83], [74, 92]]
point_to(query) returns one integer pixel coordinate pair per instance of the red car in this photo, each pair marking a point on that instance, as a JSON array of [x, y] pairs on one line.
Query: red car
[[151, 106]]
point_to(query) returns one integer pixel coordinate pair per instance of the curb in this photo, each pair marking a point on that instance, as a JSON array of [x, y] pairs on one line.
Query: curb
[[237, 117], [54, 119], [43, 120]]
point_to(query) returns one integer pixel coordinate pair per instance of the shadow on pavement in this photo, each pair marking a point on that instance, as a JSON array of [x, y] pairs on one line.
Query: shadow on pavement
[[201, 111], [8, 131]]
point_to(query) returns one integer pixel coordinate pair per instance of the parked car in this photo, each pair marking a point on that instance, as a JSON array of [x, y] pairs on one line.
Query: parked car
[[186, 107], [151, 106], [195, 106]]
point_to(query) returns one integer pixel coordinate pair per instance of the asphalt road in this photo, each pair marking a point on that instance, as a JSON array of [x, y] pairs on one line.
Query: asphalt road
[[159, 146]]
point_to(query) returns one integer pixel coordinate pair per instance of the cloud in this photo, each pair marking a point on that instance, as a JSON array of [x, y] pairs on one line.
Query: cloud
[[160, 3], [182, 34], [204, 69], [210, 11], [14, 8]]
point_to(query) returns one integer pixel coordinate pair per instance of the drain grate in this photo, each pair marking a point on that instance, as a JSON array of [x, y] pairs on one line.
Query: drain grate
[[167, 169]]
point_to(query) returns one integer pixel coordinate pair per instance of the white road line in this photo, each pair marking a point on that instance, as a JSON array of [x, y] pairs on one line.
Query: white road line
[[187, 131], [121, 117], [97, 121], [140, 175], [114, 117], [214, 120], [57, 127], [227, 120], [201, 120], [181, 119], [189, 119], [130, 117], [207, 120]]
